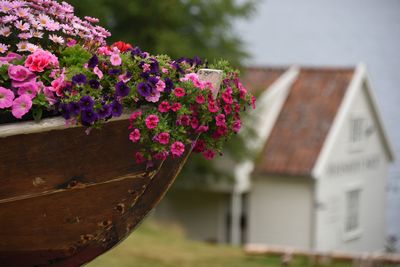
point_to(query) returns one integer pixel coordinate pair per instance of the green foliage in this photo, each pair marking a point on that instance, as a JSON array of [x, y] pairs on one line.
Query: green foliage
[[174, 27], [74, 56]]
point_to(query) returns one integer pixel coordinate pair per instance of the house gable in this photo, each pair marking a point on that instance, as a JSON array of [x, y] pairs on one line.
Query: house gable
[[295, 141], [359, 82]]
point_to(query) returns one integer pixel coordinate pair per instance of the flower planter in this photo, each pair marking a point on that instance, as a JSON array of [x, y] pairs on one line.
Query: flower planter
[[67, 197]]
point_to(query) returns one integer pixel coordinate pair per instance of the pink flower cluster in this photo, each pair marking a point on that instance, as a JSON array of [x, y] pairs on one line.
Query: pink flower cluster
[[34, 22], [26, 83]]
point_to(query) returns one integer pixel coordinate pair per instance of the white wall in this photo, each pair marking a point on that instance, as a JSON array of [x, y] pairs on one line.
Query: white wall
[[349, 165], [201, 214], [279, 211]]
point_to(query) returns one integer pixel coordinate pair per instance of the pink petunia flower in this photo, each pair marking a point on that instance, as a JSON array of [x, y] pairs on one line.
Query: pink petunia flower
[[98, 72], [160, 86], [135, 136], [115, 59], [30, 89], [6, 98], [21, 106], [152, 121], [10, 57], [177, 149], [20, 73], [154, 96]]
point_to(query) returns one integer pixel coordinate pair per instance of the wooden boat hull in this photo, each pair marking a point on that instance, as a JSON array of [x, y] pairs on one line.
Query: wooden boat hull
[[67, 197]]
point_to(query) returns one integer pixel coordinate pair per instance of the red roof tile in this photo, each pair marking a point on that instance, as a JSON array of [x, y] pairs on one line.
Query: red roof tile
[[258, 79], [304, 121]]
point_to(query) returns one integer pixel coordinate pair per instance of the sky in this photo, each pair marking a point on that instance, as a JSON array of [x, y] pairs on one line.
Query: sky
[[338, 33]]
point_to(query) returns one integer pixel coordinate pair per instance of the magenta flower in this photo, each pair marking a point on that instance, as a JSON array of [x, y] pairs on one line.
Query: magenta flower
[[194, 123], [237, 125], [163, 138], [200, 99], [209, 154], [6, 98], [227, 97], [228, 109], [179, 92], [139, 157], [220, 120], [21, 106], [135, 136], [115, 59], [135, 115], [152, 121], [253, 102], [212, 107], [164, 107], [177, 149], [176, 107]]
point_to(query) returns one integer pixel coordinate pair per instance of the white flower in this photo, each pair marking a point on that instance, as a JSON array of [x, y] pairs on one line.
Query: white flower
[[37, 34], [22, 12], [5, 31], [32, 48], [22, 46], [3, 48], [22, 26], [56, 39]]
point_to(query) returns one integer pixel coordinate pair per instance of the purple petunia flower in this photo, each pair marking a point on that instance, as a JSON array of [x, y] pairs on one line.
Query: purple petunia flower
[[153, 80], [105, 112], [93, 62], [121, 89], [114, 71], [154, 67], [116, 109], [64, 111], [86, 102], [169, 85], [88, 117], [95, 84], [79, 79], [74, 109], [144, 89]]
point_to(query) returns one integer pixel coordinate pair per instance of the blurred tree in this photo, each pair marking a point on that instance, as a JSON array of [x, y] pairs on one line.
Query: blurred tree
[[174, 27]]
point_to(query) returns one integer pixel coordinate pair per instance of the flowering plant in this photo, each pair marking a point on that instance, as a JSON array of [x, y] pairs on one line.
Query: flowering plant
[[89, 83]]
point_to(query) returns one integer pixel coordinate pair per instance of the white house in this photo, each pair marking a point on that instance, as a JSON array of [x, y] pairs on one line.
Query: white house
[[320, 181]]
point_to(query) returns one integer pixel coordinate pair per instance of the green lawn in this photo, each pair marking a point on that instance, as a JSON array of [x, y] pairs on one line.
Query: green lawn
[[153, 245]]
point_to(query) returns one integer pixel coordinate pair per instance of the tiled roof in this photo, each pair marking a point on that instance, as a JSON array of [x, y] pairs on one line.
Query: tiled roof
[[258, 79], [305, 119]]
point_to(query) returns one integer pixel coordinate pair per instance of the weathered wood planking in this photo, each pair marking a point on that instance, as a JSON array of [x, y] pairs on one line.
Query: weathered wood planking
[[62, 192]]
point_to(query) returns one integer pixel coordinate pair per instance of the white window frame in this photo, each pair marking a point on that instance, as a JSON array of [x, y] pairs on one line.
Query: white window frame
[[354, 233], [357, 144]]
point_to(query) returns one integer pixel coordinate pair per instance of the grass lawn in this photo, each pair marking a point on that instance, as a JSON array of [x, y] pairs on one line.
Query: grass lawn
[[152, 245]]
